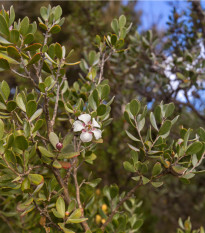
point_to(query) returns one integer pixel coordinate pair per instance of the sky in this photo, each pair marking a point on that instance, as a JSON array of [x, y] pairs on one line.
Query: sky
[[157, 12]]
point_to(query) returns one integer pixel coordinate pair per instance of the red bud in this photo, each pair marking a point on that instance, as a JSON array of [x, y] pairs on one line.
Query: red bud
[[59, 146]]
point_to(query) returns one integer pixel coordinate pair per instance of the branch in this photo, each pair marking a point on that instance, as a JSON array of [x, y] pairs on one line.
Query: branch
[[43, 212], [57, 176], [24, 76], [84, 224], [129, 194], [62, 184], [46, 109]]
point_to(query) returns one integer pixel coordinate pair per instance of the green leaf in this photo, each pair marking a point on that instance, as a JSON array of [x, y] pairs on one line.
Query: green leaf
[[165, 128], [115, 26], [76, 214], [1, 129], [194, 148], [11, 105], [4, 64], [133, 148], [9, 59], [68, 155], [56, 214], [4, 41], [169, 109], [31, 108], [70, 220], [71, 206], [101, 110], [179, 170], [122, 21], [201, 133], [4, 29], [138, 224], [94, 183], [113, 39], [153, 121], [12, 15], [14, 36], [105, 91], [60, 206], [55, 29], [36, 178], [156, 169], [25, 184], [38, 125], [180, 76], [56, 164], [43, 26], [93, 58], [24, 26], [128, 166], [34, 59], [29, 38], [44, 13], [145, 180], [21, 142], [5, 89], [136, 178], [131, 136], [13, 52], [58, 50], [45, 152], [62, 226], [33, 47], [135, 107], [58, 12], [36, 114], [157, 184], [20, 103], [53, 139]]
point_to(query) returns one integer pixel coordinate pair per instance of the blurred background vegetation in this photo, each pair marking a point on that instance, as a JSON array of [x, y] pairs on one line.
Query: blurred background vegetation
[[163, 64]]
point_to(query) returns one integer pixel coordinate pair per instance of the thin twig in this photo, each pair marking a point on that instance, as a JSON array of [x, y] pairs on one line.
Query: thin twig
[[84, 224], [129, 194]]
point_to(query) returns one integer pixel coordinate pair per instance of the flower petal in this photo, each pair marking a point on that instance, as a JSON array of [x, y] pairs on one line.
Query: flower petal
[[97, 133], [78, 126], [85, 118], [86, 136], [95, 124]]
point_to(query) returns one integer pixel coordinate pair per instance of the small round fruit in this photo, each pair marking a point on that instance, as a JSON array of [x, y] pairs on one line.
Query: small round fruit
[[104, 207], [167, 165], [103, 221], [59, 146], [98, 192], [67, 213], [98, 219]]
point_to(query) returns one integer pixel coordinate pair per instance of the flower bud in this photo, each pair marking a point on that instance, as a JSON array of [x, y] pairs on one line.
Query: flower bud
[[59, 146]]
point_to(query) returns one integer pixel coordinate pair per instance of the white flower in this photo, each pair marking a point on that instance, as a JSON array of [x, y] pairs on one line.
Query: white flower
[[87, 127]]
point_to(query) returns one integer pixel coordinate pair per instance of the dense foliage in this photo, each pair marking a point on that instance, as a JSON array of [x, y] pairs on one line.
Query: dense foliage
[[58, 137]]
